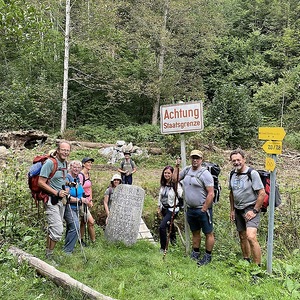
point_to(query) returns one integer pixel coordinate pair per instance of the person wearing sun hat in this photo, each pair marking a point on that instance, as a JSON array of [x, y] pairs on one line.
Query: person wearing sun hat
[[114, 182], [198, 186], [86, 216]]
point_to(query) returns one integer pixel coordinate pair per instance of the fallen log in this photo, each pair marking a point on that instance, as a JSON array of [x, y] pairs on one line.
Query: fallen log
[[60, 278]]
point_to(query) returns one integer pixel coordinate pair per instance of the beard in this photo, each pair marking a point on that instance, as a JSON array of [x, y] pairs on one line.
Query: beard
[[238, 168]]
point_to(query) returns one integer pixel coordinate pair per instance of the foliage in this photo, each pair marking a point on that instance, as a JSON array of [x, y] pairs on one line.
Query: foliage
[[138, 271], [210, 48]]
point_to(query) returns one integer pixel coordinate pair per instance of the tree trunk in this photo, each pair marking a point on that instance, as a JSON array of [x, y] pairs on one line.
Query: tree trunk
[[161, 64], [66, 71], [60, 278]]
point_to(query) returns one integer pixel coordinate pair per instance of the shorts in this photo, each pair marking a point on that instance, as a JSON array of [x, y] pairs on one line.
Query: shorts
[[199, 219], [84, 212], [241, 223]]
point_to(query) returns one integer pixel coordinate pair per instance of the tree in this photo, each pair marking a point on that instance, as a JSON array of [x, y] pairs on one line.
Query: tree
[[66, 70]]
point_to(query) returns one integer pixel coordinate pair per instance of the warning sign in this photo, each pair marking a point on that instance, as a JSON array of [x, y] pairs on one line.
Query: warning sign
[[181, 117]]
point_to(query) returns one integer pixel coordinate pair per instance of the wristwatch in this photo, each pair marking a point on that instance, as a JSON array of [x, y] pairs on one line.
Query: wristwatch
[[255, 211]]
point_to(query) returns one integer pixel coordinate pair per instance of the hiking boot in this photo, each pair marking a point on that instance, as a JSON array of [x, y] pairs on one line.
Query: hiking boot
[[173, 241], [195, 255], [82, 243], [206, 259], [51, 261]]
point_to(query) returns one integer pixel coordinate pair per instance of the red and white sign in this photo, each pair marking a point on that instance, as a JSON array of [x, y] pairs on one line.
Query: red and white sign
[[181, 117]]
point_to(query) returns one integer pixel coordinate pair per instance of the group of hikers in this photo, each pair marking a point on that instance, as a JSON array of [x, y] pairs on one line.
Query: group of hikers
[[70, 199]]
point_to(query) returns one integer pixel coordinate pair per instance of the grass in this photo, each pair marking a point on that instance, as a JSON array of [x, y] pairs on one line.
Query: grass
[[139, 271]]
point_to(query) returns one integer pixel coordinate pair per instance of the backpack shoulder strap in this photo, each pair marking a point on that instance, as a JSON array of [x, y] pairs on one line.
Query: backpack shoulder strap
[[186, 170], [83, 177], [198, 175], [131, 163], [55, 167], [249, 173]]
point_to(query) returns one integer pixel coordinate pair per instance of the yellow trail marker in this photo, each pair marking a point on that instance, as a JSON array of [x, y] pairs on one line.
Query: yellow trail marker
[[270, 164], [271, 133], [272, 147]]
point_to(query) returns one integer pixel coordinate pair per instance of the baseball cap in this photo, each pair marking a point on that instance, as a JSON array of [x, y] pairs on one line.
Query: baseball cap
[[196, 153], [84, 160]]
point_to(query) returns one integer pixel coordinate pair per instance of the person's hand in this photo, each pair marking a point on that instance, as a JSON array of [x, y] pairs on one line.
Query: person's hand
[[250, 215], [90, 204], [232, 216], [106, 221], [178, 162]]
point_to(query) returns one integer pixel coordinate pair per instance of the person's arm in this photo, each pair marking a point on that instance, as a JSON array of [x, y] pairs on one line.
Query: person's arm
[[231, 200], [133, 170], [209, 198], [42, 183], [105, 202], [121, 171], [258, 204]]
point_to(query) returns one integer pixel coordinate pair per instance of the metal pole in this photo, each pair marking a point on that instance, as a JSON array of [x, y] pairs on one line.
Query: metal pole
[[186, 225], [271, 218]]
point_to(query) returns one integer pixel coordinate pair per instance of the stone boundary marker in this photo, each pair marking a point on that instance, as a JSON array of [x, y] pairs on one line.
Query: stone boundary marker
[[125, 214]]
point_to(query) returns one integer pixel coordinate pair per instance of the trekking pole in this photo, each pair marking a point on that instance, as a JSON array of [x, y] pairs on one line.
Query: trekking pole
[[173, 215], [77, 232], [85, 219]]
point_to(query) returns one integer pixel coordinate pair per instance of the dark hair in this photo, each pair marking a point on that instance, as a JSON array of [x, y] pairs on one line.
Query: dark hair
[[162, 178], [237, 151]]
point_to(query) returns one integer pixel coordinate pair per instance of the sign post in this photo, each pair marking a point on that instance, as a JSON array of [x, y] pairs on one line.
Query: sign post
[[181, 118], [273, 146]]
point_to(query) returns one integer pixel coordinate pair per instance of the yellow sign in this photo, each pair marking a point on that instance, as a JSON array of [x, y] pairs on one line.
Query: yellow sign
[[271, 133], [272, 147], [270, 164]]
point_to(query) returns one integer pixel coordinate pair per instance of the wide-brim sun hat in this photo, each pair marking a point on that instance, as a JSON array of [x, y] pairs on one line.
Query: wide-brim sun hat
[[86, 159], [116, 176], [196, 153]]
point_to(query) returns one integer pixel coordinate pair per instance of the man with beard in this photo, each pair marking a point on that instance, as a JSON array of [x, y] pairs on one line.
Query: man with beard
[[246, 198]]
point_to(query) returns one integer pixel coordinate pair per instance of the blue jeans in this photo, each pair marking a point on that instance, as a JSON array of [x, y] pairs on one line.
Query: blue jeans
[[164, 225], [127, 179], [73, 228]]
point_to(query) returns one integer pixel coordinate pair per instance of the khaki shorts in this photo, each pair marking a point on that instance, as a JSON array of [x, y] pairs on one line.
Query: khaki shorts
[[84, 212]]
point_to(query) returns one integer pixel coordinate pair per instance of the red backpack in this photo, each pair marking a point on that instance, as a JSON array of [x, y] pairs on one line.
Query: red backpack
[[33, 177]]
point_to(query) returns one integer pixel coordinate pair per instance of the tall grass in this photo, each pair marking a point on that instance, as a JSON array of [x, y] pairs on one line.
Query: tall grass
[[139, 271]]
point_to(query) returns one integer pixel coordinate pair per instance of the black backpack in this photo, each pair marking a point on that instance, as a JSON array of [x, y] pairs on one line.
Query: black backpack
[[215, 171], [265, 178]]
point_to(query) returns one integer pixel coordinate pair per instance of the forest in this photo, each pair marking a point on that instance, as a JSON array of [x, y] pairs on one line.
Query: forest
[[127, 58]]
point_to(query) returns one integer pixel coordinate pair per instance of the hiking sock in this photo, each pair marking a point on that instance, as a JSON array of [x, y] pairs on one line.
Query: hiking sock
[[196, 249], [208, 252], [247, 259]]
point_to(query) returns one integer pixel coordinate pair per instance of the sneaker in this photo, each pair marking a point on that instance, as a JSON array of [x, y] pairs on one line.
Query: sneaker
[[206, 259], [195, 255]]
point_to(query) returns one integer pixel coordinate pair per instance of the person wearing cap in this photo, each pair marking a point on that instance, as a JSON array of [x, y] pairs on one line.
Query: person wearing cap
[[198, 186], [86, 216], [127, 168], [115, 181]]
